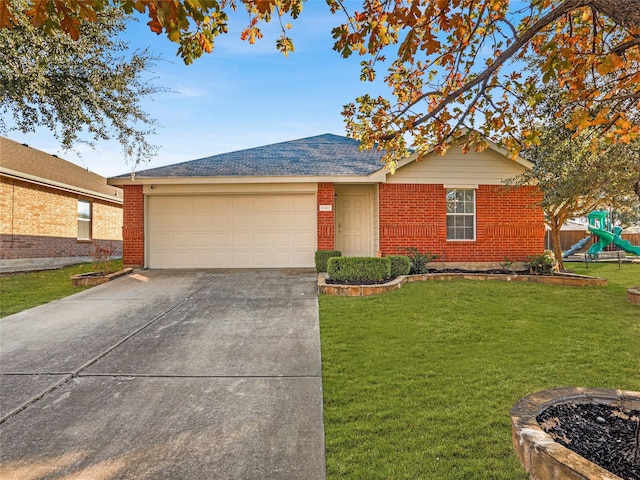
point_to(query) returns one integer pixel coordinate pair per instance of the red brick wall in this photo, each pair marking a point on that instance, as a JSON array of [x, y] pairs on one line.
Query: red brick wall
[[326, 220], [508, 225], [133, 227], [42, 222]]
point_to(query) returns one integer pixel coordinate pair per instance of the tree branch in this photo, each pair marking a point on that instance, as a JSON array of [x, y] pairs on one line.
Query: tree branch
[[502, 58], [623, 47]]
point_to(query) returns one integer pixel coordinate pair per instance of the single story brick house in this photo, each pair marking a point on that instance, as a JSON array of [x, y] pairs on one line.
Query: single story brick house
[[53, 211], [274, 206]]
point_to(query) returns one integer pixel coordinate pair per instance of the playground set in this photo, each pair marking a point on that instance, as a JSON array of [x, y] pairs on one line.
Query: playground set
[[607, 234]]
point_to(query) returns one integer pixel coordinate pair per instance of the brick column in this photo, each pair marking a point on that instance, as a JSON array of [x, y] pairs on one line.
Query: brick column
[[326, 220], [133, 227]]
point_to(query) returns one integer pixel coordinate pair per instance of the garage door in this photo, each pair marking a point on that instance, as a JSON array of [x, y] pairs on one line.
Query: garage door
[[231, 231]]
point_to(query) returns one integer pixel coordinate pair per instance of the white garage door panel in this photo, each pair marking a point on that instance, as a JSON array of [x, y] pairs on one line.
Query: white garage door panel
[[231, 231]]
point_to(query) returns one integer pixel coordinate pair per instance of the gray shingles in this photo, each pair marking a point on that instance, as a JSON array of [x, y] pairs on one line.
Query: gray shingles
[[30, 161], [328, 154]]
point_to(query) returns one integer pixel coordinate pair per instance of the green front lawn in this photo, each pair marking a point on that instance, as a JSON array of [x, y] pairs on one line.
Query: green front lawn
[[418, 383], [26, 290]]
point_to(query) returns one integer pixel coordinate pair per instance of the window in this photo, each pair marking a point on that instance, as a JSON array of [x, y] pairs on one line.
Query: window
[[461, 217], [84, 220]]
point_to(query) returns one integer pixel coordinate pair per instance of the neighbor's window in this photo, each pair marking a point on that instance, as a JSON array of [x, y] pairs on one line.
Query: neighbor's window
[[461, 214], [84, 220]]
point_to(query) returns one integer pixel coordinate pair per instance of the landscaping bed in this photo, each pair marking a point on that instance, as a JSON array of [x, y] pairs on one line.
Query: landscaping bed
[[633, 295], [91, 279], [447, 270], [603, 434], [329, 281], [352, 289], [577, 432]]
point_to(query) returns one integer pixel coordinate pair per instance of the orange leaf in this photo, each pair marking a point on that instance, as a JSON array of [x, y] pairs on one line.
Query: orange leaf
[[264, 6], [87, 11], [610, 63], [6, 18], [71, 25], [38, 12], [141, 6], [623, 123], [204, 43], [154, 25], [68, 22]]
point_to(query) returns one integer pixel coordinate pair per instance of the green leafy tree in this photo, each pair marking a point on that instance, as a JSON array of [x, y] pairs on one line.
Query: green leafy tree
[[83, 90], [575, 174], [625, 210]]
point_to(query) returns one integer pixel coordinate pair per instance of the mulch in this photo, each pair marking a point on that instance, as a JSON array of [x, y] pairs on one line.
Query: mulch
[[603, 434]]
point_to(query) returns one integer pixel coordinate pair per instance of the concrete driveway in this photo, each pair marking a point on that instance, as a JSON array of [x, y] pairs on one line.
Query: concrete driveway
[[166, 375]]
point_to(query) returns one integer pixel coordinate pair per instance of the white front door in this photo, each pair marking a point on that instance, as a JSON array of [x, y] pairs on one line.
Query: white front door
[[353, 225]]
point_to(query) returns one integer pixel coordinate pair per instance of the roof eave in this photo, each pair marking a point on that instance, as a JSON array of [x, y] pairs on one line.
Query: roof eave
[[375, 177], [59, 185]]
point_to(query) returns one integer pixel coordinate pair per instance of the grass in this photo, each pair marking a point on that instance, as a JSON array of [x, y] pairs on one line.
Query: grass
[[624, 277], [21, 291], [418, 383]]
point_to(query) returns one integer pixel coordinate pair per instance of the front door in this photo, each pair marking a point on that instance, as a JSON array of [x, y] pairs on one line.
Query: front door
[[352, 225]]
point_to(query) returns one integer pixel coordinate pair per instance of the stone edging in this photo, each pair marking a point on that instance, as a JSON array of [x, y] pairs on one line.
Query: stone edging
[[633, 295], [90, 280], [539, 454], [366, 290]]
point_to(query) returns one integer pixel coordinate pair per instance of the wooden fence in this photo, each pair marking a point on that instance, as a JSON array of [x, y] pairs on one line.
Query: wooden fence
[[571, 237]]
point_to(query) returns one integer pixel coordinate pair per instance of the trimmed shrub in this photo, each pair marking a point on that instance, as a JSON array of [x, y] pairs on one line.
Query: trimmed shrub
[[540, 264], [400, 265], [420, 261], [322, 256], [359, 269]]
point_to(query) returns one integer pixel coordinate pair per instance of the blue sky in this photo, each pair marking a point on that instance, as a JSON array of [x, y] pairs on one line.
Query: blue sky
[[240, 96]]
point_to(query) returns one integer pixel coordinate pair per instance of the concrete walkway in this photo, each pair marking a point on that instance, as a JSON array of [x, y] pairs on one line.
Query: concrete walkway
[[166, 375]]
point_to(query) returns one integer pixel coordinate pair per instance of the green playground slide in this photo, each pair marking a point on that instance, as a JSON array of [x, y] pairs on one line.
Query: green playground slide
[[626, 245], [605, 238], [598, 220]]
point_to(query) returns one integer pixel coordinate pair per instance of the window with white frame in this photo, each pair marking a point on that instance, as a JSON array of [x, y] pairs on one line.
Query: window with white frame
[[84, 220], [461, 214]]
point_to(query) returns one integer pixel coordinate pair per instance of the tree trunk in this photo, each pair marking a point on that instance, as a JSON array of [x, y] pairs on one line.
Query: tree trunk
[[636, 186], [555, 242], [625, 13]]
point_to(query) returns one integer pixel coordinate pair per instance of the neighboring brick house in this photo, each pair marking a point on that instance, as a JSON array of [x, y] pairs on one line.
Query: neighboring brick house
[[54, 213], [273, 206]]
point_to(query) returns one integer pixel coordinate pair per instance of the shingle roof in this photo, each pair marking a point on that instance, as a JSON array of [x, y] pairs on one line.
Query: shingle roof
[[322, 155], [36, 164]]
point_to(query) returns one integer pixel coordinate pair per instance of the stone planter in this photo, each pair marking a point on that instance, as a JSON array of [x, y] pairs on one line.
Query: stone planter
[[539, 454], [633, 295], [96, 278]]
